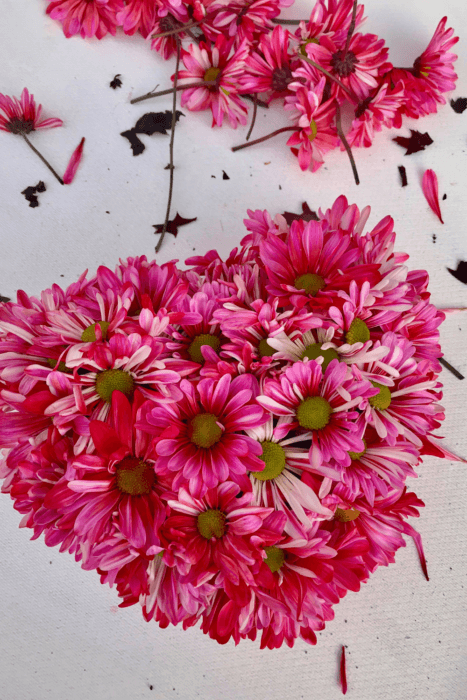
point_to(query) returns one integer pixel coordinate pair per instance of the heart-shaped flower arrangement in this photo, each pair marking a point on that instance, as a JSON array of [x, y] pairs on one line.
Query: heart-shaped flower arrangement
[[228, 444]]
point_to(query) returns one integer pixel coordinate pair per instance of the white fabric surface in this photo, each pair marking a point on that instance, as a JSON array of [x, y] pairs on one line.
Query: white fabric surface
[[62, 636]]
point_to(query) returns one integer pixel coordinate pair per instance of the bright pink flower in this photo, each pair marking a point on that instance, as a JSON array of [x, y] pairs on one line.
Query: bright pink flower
[[243, 19], [215, 64], [331, 18], [317, 134], [138, 15], [86, 17], [201, 438], [167, 18], [268, 68], [430, 190], [383, 109], [320, 404], [73, 165], [22, 115]]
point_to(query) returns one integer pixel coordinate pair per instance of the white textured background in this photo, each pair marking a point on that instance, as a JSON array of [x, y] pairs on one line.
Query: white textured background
[[62, 636]]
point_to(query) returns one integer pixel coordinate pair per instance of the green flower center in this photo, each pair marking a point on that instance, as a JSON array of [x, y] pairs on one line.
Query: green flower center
[[314, 413], [346, 516], [358, 332], [314, 130], [304, 45], [275, 557], [89, 333], [114, 380], [313, 351], [357, 455], [381, 400], [134, 476], [264, 349], [61, 366], [211, 523], [274, 458], [310, 283], [211, 74], [194, 349], [203, 430]]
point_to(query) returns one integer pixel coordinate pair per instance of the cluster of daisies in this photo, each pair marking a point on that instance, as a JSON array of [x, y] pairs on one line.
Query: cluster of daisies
[[228, 444], [237, 54]]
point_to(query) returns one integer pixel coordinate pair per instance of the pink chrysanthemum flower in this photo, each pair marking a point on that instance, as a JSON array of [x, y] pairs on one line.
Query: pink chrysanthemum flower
[[138, 15], [215, 65], [21, 116], [317, 134], [378, 110], [167, 18], [329, 18], [268, 68], [320, 404], [201, 438], [244, 19], [86, 17]]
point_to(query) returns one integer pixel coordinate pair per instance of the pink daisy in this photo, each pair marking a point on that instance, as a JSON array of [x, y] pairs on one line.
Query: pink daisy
[[378, 110], [201, 438], [244, 19], [268, 68], [166, 19], [21, 116], [216, 65], [320, 402], [86, 17], [329, 18], [138, 15]]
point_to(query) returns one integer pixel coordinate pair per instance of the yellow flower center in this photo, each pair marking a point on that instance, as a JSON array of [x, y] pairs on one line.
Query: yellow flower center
[[114, 380], [358, 332], [382, 399], [310, 283], [275, 557], [194, 350], [203, 430], [211, 523], [357, 455], [305, 44], [211, 74], [314, 413], [313, 351], [61, 366], [134, 476], [89, 333], [346, 516], [264, 349], [274, 459], [314, 130]]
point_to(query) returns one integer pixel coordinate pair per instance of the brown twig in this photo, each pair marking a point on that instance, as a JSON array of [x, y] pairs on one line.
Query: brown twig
[[331, 76], [276, 20], [266, 138], [169, 91], [346, 144], [452, 369], [171, 148], [182, 28], [253, 119], [43, 159]]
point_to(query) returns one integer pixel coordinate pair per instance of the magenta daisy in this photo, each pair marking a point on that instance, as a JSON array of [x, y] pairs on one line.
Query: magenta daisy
[[138, 15], [201, 438], [86, 17], [167, 19], [21, 116], [320, 402], [329, 18], [268, 68], [244, 19]]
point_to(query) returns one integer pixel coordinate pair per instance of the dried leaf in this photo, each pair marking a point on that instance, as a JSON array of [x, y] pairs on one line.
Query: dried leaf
[[149, 124], [31, 196], [459, 105], [403, 174], [137, 146], [414, 143], [225, 176], [116, 82], [461, 272], [307, 215], [172, 226], [3, 300]]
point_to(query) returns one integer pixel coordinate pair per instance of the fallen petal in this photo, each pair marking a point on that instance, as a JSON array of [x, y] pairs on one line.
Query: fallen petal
[[343, 673], [75, 160], [430, 190]]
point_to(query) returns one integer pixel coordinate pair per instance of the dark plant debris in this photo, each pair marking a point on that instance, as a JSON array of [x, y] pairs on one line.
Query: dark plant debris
[[30, 193], [452, 369], [461, 272], [307, 215], [403, 174], [225, 176], [434, 237], [415, 142], [173, 224], [116, 82], [149, 124], [459, 105], [444, 197], [3, 300]]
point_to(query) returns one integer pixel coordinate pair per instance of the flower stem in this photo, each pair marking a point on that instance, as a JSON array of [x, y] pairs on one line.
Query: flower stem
[[266, 138], [43, 159], [171, 148], [287, 21], [169, 91], [182, 28], [331, 76], [253, 119], [346, 143], [351, 28], [452, 369]]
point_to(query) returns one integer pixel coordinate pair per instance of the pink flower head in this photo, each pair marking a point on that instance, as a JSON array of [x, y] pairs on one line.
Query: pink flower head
[[430, 190], [268, 68], [21, 116], [138, 15], [377, 110], [243, 19], [215, 65], [320, 402], [317, 134], [329, 18], [201, 436], [167, 18], [86, 17]]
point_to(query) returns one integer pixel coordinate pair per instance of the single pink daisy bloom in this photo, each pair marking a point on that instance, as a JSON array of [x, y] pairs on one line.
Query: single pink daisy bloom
[[156, 287], [168, 18], [420, 326], [86, 17], [383, 109], [21, 116], [216, 65], [320, 403], [268, 68], [329, 18], [244, 19], [317, 134], [201, 438]]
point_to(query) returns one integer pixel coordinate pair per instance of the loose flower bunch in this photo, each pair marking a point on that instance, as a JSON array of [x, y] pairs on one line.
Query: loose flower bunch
[[238, 51], [228, 444]]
